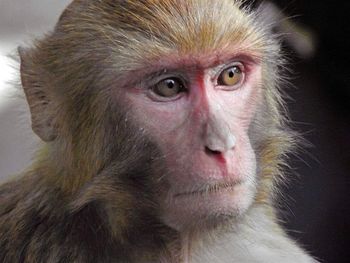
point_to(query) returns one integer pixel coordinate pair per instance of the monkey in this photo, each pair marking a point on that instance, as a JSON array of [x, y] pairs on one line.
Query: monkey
[[164, 136]]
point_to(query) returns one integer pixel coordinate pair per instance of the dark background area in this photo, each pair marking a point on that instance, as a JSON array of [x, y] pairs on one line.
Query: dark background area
[[317, 208]]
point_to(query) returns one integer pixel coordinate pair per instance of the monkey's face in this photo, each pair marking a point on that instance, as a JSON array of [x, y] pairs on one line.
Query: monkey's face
[[188, 74], [198, 112]]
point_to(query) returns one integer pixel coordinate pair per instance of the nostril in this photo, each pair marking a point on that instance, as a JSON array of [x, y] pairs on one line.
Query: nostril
[[217, 155], [211, 152]]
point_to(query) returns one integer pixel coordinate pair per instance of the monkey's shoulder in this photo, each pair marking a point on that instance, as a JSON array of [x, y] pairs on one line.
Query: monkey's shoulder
[[36, 225]]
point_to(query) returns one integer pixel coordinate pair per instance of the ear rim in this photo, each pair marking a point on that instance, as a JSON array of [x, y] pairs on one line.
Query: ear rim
[[37, 99]]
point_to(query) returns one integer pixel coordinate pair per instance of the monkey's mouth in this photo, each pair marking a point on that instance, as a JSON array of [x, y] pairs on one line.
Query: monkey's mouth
[[210, 189]]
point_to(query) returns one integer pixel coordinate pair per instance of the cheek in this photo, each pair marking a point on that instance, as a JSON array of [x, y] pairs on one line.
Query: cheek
[[245, 106], [241, 105], [245, 158], [164, 122]]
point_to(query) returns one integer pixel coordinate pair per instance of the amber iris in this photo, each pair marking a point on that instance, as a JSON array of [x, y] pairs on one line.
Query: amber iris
[[168, 87], [231, 76]]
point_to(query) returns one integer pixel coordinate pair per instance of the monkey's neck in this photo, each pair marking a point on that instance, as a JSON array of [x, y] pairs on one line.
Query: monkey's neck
[[179, 251], [186, 247], [191, 244]]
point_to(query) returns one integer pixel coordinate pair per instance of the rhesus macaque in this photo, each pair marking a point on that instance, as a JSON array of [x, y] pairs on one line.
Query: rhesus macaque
[[164, 138]]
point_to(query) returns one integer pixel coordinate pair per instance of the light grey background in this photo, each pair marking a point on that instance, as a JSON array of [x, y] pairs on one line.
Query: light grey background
[[20, 22]]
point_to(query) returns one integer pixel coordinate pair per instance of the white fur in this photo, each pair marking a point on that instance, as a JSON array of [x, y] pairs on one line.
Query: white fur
[[254, 240]]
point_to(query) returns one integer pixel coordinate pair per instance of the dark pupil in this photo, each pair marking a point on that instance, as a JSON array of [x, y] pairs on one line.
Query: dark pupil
[[171, 84], [231, 74], [233, 71]]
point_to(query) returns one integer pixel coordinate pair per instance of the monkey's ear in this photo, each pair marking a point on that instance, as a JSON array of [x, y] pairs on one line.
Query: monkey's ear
[[37, 97]]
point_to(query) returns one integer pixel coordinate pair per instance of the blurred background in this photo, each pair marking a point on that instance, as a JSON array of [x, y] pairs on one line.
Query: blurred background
[[316, 39], [20, 22]]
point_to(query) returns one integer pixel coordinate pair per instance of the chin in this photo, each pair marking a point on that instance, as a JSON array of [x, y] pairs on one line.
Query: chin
[[211, 207]]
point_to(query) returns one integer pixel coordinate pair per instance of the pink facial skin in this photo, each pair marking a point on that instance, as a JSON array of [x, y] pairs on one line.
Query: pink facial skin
[[203, 134]]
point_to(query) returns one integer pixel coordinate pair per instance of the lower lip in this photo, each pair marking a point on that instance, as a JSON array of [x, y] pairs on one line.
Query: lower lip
[[210, 191]]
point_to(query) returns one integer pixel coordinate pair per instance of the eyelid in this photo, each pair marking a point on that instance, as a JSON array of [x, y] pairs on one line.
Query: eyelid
[[158, 76], [221, 68], [154, 97], [154, 78]]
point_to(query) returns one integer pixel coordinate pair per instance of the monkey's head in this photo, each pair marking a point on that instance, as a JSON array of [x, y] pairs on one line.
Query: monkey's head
[[184, 90]]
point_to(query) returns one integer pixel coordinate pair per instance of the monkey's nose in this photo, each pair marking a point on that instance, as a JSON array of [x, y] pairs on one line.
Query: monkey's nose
[[218, 136], [217, 145], [209, 151]]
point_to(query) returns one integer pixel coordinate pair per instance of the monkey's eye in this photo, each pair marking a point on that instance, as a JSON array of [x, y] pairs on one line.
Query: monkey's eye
[[231, 76], [169, 88]]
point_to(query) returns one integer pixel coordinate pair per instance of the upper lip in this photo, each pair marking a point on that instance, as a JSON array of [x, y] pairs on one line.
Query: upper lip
[[209, 189]]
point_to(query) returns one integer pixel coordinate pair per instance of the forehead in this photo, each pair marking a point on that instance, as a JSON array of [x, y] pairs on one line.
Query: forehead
[[194, 63], [189, 29], [184, 25], [200, 31]]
